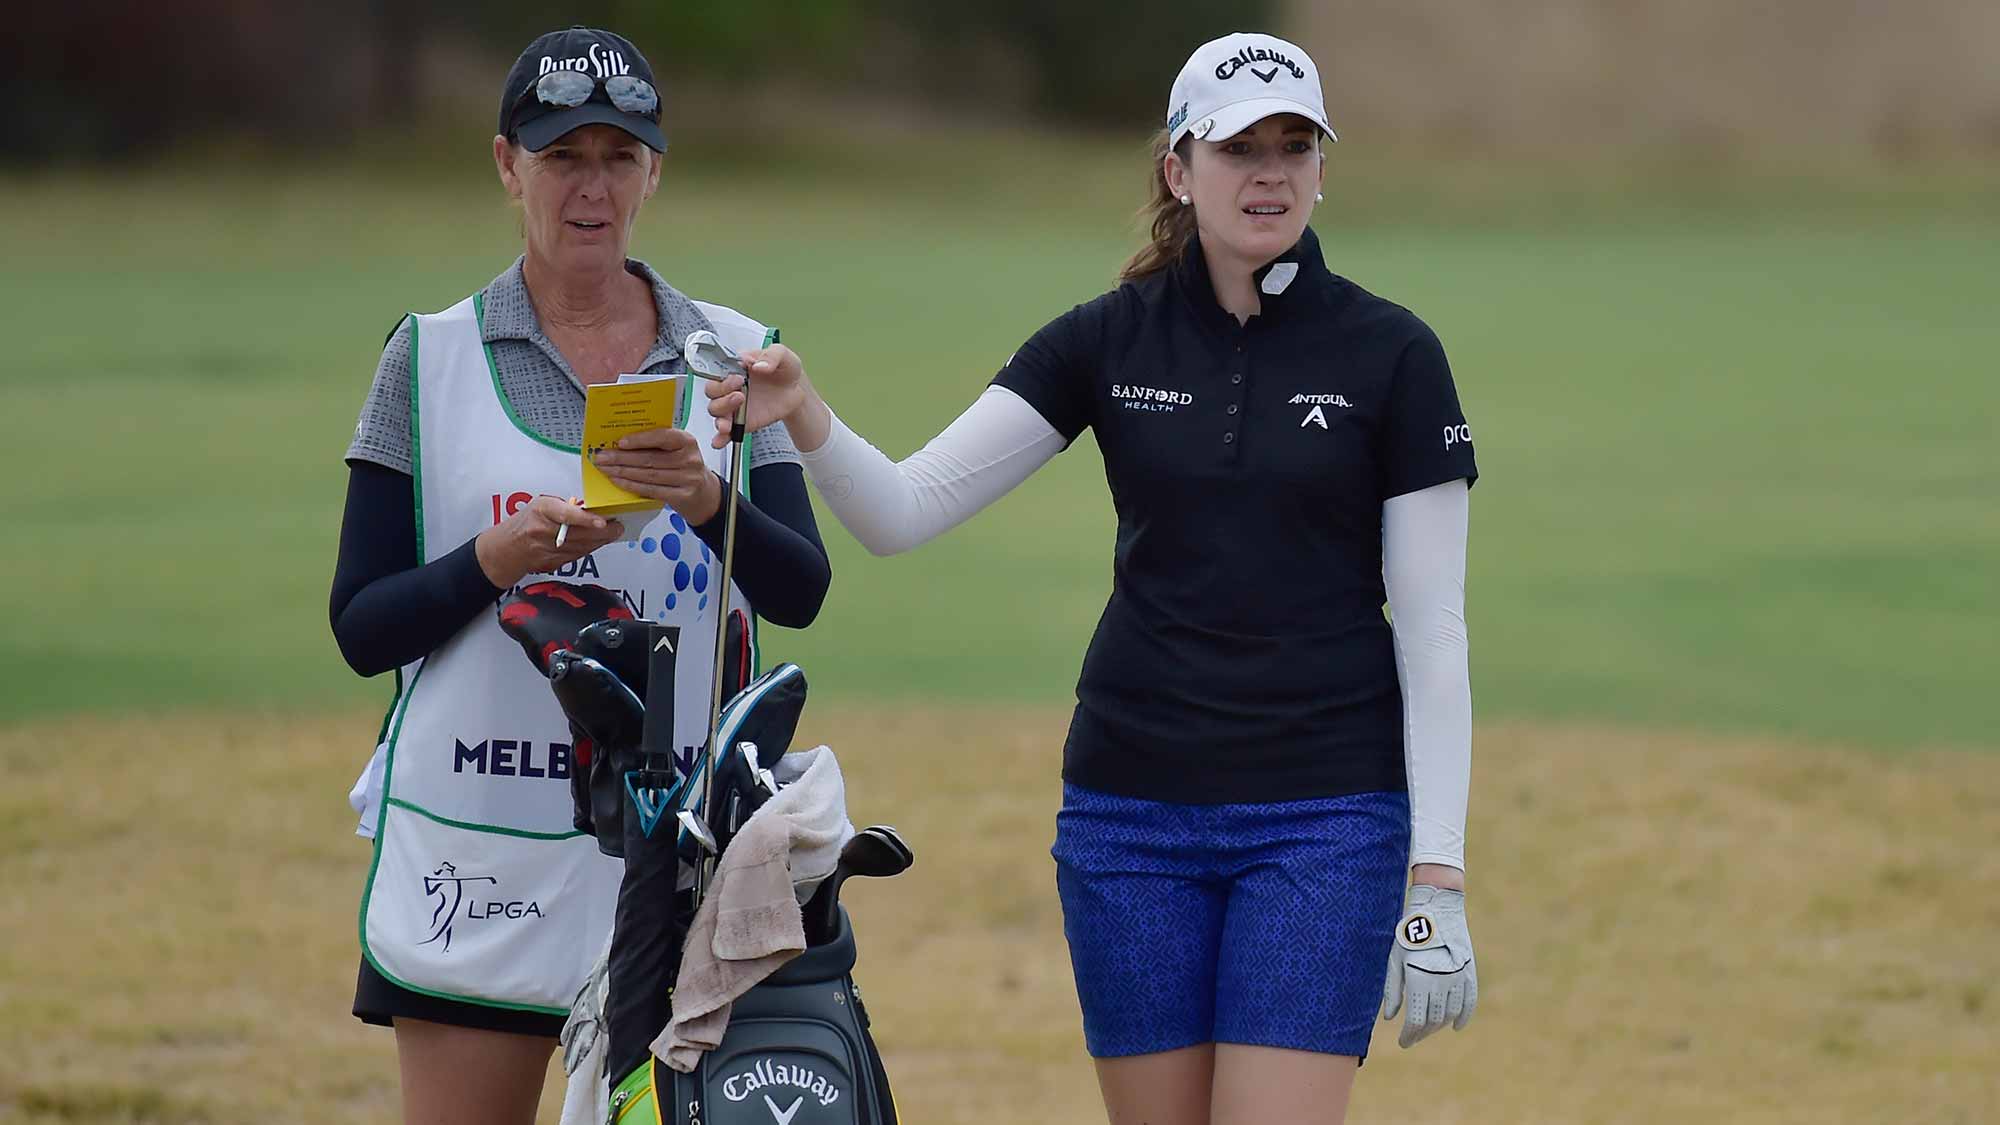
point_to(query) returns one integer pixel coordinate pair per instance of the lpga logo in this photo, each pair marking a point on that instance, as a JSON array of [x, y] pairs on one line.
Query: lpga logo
[[602, 62], [447, 887]]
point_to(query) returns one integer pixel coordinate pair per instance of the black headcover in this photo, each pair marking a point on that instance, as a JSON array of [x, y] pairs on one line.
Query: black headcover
[[547, 618], [766, 713], [619, 643]]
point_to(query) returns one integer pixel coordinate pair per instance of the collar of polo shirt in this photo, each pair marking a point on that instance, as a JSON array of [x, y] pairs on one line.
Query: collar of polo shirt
[[1280, 281]]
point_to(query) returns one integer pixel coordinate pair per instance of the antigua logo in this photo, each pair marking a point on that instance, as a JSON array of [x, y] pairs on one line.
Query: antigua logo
[[1249, 56], [447, 887], [1317, 415]]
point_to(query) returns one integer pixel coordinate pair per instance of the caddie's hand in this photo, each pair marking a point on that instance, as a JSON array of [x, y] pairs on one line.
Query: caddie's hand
[[664, 464], [525, 542], [1430, 968], [779, 384]]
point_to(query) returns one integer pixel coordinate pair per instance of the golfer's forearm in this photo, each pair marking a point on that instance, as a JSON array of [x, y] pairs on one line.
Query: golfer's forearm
[[812, 423], [780, 564], [386, 610], [1423, 567], [891, 507]]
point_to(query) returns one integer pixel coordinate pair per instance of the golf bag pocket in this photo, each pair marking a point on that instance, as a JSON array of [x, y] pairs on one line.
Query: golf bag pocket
[[797, 1050]]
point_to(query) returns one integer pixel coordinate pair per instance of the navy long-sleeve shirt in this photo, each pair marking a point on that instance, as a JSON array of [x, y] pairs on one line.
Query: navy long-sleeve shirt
[[389, 607]]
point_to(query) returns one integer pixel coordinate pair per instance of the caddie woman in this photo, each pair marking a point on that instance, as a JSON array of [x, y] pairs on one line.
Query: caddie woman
[[484, 908], [1259, 764]]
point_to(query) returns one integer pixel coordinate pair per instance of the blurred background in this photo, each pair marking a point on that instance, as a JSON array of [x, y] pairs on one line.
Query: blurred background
[[1717, 282]]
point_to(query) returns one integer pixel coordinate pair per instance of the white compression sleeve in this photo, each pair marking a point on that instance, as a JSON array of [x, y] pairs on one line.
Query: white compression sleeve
[[891, 507], [1423, 568]]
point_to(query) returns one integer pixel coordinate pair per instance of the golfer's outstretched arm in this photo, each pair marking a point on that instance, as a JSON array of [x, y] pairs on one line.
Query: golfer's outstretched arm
[[892, 506]]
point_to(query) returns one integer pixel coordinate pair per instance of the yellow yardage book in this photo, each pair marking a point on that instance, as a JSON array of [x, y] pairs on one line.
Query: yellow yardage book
[[612, 410]]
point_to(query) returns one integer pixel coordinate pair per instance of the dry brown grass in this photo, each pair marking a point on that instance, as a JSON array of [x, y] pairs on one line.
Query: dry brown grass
[[1670, 928]]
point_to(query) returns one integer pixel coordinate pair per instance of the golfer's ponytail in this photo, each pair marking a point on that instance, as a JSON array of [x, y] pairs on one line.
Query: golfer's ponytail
[[1170, 222]]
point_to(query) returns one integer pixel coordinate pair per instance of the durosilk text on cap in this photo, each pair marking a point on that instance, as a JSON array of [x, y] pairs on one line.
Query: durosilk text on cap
[[1231, 83], [580, 76]]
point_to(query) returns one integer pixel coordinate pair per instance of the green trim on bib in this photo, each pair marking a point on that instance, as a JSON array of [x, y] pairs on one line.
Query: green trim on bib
[[382, 813], [382, 731], [473, 826], [684, 409], [416, 443], [375, 863], [481, 1001], [506, 404]]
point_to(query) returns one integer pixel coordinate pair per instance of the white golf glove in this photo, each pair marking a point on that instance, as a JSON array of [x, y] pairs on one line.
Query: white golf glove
[[1430, 968]]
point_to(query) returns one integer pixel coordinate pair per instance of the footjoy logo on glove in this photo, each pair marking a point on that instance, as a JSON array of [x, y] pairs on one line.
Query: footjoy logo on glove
[[768, 1073], [1418, 930]]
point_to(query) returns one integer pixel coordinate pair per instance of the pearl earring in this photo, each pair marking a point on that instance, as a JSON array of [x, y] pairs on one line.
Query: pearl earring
[[1319, 197], [1185, 200]]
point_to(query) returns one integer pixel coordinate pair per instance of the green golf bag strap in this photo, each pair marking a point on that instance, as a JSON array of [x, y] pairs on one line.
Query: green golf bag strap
[[635, 1101]]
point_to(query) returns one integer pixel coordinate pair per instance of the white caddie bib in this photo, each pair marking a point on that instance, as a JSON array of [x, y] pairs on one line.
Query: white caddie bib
[[481, 889]]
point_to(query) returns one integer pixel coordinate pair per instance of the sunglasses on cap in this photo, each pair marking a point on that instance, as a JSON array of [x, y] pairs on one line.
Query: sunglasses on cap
[[567, 89]]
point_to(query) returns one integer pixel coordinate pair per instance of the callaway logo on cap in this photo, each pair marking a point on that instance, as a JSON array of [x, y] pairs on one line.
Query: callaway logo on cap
[[1231, 83]]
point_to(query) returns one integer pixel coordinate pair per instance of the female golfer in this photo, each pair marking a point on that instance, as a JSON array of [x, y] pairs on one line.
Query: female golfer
[[484, 908], [1257, 761]]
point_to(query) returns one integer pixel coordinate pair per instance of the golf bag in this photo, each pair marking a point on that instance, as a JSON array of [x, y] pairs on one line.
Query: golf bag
[[797, 1049]]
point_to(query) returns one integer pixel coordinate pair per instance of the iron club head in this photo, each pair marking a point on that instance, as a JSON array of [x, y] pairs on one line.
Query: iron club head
[[710, 358]]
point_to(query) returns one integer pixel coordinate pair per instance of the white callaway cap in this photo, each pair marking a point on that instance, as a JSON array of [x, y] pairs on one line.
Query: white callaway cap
[[1231, 83]]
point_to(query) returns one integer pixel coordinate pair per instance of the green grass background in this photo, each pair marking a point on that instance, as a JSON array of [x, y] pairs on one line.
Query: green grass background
[[1738, 446]]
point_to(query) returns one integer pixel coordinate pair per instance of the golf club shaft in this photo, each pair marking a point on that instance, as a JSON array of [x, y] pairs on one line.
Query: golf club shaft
[[735, 489]]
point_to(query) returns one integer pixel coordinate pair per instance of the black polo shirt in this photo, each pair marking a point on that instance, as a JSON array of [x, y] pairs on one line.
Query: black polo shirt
[[1244, 654]]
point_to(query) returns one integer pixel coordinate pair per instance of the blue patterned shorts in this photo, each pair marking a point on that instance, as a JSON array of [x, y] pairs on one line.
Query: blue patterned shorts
[[1265, 924]]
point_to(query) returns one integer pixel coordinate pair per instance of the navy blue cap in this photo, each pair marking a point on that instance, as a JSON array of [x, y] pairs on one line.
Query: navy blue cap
[[586, 50]]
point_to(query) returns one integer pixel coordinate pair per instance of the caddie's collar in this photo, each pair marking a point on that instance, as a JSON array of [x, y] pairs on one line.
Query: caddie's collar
[[510, 310], [508, 313]]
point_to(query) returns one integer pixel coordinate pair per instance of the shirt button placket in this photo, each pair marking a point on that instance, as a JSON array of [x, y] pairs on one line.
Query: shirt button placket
[[1230, 446]]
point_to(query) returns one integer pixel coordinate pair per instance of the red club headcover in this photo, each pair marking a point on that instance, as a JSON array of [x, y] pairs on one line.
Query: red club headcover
[[546, 616]]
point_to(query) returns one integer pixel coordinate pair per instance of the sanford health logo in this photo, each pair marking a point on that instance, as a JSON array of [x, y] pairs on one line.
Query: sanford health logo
[[448, 891], [1149, 398], [600, 62], [767, 1074]]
